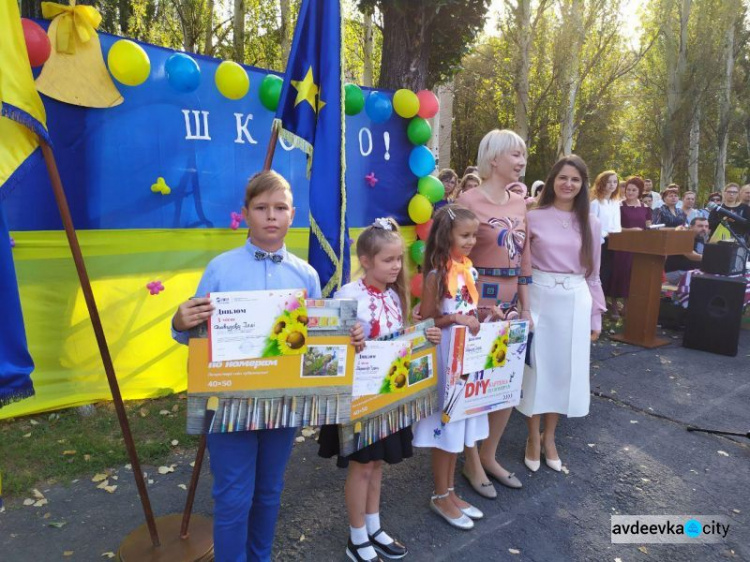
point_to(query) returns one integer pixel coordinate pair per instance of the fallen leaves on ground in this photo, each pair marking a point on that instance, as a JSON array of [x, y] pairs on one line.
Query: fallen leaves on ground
[[167, 469]]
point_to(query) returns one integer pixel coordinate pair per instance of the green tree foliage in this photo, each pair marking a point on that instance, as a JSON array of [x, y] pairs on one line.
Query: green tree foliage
[[620, 108]]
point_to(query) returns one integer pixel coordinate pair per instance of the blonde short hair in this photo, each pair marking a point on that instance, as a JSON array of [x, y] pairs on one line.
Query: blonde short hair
[[496, 142], [266, 181]]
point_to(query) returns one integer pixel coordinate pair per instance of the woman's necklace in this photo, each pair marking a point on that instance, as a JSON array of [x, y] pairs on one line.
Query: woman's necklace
[[564, 220], [493, 200]]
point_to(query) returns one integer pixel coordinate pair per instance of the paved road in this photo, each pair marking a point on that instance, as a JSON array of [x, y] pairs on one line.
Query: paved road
[[631, 455]]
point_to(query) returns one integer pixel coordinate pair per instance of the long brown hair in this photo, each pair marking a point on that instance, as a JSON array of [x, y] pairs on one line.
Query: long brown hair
[[437, 254], [599, 188], [371, 242], [580, 204]]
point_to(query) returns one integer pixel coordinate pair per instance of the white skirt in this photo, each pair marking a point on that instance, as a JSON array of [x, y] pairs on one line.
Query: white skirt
[[558, 379]]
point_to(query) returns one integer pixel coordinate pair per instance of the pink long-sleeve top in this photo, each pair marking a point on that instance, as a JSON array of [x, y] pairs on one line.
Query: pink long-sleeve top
[[556, 249]]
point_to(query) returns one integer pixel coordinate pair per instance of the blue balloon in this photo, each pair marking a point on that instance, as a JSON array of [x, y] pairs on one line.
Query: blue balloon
[[378, 107], [183, 72], [421, 161]]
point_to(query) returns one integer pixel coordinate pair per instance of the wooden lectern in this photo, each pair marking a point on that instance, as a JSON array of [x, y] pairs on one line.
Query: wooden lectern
[[650, 249]]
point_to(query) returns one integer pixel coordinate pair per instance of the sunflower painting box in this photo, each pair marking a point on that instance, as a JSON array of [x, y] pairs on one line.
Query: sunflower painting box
[[394, 386], [485, 373], [269, 359]]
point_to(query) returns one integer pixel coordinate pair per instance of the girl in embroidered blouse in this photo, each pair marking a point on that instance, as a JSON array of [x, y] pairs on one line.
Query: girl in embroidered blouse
[[382, 307], [450, 297]]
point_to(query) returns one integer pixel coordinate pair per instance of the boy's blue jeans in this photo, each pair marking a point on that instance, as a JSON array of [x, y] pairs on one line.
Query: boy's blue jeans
[[248, 469]]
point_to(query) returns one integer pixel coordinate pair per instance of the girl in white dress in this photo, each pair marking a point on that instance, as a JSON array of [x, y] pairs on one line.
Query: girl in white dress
[[450, 297]]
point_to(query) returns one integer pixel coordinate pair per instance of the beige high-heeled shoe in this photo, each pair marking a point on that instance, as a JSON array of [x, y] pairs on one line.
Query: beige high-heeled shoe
[[533, 466], [554, 464]]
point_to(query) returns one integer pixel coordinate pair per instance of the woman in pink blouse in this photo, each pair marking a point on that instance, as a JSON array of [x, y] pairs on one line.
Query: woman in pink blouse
[[502, 259], [567, 302]]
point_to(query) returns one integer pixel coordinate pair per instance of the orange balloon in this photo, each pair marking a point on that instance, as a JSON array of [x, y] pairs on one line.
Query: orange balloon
[[423, 230], [416, 285]]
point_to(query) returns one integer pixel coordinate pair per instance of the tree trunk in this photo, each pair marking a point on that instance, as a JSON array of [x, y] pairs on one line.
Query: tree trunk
[[573, 22], [208, 33], [725, 107], [238, 50], [522, 21], [125, 12], [444, 122], [676, 58], [368, 68], [31, 9], [286, 31], [406, 44], [694, 150]]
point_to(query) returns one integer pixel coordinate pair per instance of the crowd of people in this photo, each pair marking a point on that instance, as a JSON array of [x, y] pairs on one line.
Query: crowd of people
[[632, 204], [494, 252]]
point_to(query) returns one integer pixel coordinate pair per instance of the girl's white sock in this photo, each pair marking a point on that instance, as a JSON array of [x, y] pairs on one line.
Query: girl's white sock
[[372, 521], [359, 536]]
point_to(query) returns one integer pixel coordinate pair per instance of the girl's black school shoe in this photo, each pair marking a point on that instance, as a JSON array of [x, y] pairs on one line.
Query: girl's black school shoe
[[395, 550], [352, 551]]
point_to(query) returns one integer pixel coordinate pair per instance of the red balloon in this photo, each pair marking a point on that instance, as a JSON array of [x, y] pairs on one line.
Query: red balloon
[[37, 42], [416, 285], [428, 104], [423, 230]]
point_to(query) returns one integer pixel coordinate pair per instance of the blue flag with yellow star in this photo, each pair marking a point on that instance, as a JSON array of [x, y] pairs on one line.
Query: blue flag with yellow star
[[311, 116]]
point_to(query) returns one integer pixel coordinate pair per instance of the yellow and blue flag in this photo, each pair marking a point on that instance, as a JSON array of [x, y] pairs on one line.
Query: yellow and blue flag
[[311, 117], [22, 122]]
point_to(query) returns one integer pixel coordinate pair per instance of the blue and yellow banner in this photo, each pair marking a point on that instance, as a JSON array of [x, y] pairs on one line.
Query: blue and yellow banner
[[204, 147]]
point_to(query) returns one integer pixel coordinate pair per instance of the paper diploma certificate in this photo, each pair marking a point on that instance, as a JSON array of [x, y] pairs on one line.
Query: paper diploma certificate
[[255, 324], [375, 366]]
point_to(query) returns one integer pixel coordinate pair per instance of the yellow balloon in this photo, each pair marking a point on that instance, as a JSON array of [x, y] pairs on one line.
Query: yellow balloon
[[420, 209], [232, 80], [406, 103], [128, 63]]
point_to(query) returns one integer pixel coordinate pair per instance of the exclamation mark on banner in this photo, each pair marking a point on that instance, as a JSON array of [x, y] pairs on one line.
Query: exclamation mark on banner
[[387, 140]]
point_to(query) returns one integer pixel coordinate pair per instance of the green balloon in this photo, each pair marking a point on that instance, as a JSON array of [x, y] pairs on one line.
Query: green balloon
[[354, 99], [416, 252], [432, 188], [270, 91], [419, 131]]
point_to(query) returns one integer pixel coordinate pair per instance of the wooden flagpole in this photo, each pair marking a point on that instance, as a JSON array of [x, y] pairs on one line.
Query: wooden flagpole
[[101, 340], [143, 544]]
